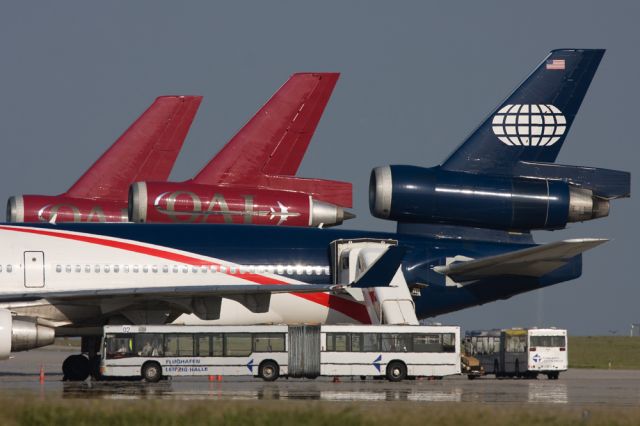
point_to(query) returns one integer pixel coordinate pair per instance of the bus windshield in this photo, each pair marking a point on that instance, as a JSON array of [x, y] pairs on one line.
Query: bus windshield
[[548, 341]]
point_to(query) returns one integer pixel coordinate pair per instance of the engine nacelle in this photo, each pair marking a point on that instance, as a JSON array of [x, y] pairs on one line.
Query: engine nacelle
[[21, 334], [432, 195], [168, 202], [44, 208]]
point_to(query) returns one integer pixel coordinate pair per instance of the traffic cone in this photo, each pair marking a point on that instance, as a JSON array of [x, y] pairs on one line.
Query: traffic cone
[[336, 379], [219, 377], [41, 373], [212, 378]]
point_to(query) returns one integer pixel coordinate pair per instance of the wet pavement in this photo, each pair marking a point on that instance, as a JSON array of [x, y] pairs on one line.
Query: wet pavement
[[575, 387]]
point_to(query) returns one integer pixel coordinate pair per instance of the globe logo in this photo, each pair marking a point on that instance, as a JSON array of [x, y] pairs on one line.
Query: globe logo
[[529, 125]]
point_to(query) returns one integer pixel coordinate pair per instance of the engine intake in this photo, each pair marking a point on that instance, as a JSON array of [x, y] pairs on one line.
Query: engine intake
[[22, 333], [432, 195]]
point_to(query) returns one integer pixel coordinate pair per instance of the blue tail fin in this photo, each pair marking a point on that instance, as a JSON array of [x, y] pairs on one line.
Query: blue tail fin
[[533, 122]]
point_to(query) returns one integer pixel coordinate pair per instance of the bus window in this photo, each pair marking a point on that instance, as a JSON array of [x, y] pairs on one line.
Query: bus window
[[337, 342], [119, 346], [204, 345], [178, 345], [271, 342], [365, 342], [516, 343], [356, 342], [216, 341], [148, 344], [548, 341], [237, 344], [396, 342]]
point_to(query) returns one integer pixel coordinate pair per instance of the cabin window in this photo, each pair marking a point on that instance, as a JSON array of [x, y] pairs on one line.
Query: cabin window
[[107, 268], [154, 269], [145, 268], [135, 269], [165, 269], [58, 268], [87, 268], [96, 268], [78, 268], [116, 268], [175, 269], [67, 268], [9, 268]]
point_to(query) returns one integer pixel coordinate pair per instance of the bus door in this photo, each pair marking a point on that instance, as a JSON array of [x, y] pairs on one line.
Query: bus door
[[34, 269]]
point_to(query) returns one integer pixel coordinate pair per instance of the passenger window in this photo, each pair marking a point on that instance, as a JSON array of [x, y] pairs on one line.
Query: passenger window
[[178, 345], [216, 342], [148, 344], [165, 269], [154, 269], [185, 269], [78, 268], [337, 342], [371, 342], [238, 344], [116, 268], [396, 342], [118, 346], [268, 342], [9, 268], [107, 268], [204, 269], [126, 268], [175, 269], [67, 268], [204, 345], [145, 268], [58, 268], [135, 269], [87, 268]]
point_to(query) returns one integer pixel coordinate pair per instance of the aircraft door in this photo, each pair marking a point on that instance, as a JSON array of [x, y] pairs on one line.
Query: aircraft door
[[34, 269]]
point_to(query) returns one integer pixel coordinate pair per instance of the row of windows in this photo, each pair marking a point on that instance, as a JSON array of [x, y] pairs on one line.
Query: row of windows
[[182, 344], [165, 269], [8, 268], [391, 342]]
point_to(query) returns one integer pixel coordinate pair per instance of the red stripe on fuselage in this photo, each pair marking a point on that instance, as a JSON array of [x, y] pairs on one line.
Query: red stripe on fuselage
[[347, 307]]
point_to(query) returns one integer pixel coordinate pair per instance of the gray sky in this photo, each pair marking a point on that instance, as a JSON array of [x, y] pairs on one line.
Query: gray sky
[[417, 77]]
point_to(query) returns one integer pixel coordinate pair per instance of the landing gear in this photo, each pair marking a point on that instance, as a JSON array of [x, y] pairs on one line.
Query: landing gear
[[76, 368]]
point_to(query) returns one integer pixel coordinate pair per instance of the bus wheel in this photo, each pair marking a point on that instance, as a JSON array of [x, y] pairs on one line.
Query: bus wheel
[[76, 368], [553, 376], [396, 371], [269, 371], [151, 372]]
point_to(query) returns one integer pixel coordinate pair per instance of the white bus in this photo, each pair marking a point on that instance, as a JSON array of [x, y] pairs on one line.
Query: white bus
[[271, 351], [548, 351], [519, 352]]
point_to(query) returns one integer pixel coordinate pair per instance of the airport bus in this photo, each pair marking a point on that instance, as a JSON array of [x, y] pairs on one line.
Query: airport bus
[[519, 352], [271, 351]]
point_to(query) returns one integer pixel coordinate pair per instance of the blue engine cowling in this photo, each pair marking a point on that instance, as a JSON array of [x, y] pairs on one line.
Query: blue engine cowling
[[432, 195]]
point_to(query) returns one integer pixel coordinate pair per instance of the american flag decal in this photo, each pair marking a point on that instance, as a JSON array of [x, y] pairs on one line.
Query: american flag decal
[[555, 64]]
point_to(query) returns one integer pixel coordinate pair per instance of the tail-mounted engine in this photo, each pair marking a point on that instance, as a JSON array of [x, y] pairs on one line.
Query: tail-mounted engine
[[432, 195]]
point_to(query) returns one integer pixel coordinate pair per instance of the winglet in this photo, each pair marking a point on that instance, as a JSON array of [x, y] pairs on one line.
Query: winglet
[[383, 270]]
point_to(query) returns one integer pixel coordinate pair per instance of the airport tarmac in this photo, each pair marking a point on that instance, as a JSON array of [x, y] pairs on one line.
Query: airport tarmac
[[577, 387]]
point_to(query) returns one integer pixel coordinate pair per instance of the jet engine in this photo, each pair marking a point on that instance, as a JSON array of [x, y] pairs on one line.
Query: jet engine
[[21, 334], [167, 202], [432, 195], [44, 208]]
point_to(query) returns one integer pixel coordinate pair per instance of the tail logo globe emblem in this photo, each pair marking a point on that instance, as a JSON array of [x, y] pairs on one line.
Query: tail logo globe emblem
[[529, 125]]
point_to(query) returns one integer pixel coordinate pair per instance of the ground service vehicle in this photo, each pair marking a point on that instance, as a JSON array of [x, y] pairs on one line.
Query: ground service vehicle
[[271, 351], [519, 352]]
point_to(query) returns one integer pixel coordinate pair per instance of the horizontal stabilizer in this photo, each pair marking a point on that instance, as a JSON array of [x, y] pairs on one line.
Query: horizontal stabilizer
[[530, 262], [383, 270], [604, 183]]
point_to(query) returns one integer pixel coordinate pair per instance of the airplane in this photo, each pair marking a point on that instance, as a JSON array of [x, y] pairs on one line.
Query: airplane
[[146, 150], [252, 179], [463, 239]]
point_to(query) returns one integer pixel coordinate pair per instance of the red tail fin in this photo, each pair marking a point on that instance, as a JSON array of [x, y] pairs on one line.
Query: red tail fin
[[274, 141], [147, 150]]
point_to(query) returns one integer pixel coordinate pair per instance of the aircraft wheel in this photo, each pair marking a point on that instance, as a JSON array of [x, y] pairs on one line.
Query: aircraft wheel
[[76, 368]]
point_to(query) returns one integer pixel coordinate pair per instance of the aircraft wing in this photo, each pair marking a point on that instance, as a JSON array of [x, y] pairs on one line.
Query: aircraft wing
[[275, 140], [146, 151], [168, 291], [530, 262]]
